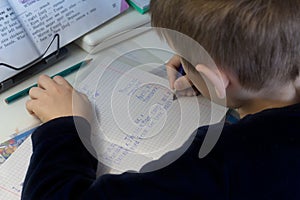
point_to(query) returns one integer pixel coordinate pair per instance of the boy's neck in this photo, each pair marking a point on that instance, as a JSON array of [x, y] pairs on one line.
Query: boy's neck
[[281, 97], [257, 106]]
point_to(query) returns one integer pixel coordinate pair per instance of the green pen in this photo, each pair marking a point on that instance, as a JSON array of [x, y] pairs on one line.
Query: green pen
[[63, 73]]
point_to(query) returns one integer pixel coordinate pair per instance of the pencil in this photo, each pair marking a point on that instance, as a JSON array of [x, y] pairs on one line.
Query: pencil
[[63, 73]]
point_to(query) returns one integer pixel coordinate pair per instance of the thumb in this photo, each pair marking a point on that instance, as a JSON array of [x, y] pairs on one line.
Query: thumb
[[182, 83]]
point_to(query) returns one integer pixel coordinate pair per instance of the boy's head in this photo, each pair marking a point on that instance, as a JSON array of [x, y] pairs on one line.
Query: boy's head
[[257, 41]]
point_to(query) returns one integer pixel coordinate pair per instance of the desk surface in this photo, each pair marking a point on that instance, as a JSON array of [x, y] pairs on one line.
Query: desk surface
[[15, 118]]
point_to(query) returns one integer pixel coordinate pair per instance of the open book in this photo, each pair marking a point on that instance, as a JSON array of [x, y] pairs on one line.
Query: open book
[[33, 29]]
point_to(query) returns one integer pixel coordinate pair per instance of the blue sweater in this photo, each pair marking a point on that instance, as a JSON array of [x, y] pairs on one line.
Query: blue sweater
[[256, 158]]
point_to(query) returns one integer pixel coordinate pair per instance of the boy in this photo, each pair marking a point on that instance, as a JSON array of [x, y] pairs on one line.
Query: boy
[[256, 46]]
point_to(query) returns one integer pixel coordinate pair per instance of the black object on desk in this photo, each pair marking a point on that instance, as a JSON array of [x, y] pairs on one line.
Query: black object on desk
[[38, 67]]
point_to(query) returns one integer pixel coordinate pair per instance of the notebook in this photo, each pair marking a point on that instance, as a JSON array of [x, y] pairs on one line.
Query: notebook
[[33, 30], [137, 121]]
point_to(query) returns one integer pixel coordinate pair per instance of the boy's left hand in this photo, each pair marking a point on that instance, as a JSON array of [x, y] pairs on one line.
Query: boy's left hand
[[55, 98]]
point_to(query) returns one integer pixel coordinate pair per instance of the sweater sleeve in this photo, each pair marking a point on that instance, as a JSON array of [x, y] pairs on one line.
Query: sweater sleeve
[[62, 169], [60, 166]]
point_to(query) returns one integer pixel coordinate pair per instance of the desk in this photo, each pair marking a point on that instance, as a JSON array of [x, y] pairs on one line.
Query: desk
[[15, 118]]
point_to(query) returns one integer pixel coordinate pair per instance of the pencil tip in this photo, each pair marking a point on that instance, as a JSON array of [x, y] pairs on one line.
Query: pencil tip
[[174, 97], [88, 60]]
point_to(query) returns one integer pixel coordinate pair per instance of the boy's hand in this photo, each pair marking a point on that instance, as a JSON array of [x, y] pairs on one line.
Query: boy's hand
[[182, 85], [55, 98]]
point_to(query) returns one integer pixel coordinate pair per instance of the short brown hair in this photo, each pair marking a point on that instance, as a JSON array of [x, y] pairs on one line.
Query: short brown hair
[[257, 40]]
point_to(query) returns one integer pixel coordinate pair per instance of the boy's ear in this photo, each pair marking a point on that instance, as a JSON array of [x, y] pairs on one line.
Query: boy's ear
[[217, 78]]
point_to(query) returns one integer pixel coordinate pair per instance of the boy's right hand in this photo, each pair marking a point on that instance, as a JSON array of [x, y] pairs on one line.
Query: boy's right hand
[[182, 85], [55, 98]]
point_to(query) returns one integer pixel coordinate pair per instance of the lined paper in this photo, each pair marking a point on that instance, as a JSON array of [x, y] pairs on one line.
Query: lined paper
[[137, 119], [13, 172]]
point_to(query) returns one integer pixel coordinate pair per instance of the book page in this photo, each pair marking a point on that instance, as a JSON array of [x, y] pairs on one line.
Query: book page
[[16, 48], [69, 19]]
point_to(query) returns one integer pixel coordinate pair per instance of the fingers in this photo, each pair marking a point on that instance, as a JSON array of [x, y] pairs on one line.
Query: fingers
[[184, 87], [192, 91], [50, 99], [61, 81], [172, 70], [45, 82], [36, 92], [182, 83], [30, 106], [33, 105]]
